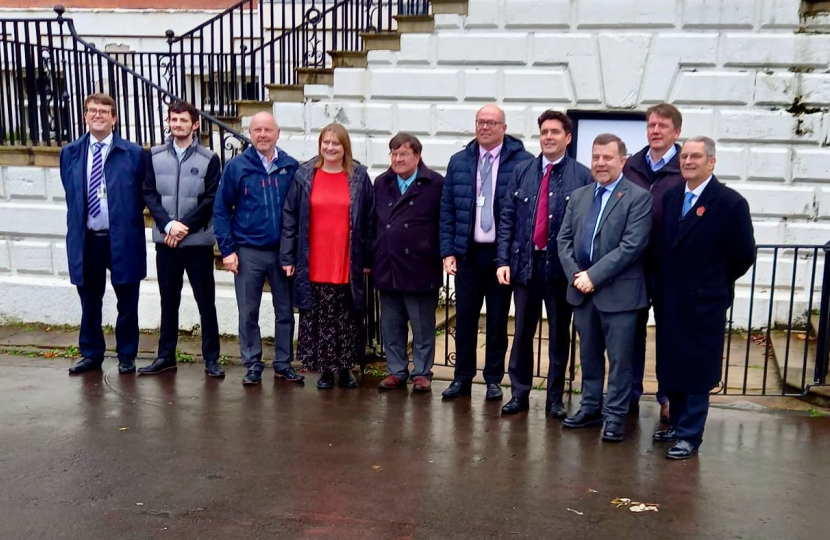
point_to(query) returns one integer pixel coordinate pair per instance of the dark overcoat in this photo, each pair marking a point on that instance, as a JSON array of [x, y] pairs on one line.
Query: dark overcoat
[[701, 256], [407, 256], [124, 171], [295, 234], [518, 218]]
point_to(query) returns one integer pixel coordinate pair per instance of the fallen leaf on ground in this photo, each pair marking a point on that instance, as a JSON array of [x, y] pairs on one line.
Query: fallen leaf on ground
[[376, 467], [592, 490], [139, 504], [577, 512], [122, 429], [643, 507], [621, 501]]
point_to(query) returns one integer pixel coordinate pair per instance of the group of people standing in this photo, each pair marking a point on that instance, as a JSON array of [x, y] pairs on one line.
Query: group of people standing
[[597, 245]]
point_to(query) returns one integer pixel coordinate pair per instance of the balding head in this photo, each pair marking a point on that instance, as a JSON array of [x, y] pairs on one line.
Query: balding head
[[490, 126], [264, 133]]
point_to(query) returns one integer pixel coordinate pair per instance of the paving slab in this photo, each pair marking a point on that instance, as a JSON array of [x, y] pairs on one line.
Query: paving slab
[[179, 456]]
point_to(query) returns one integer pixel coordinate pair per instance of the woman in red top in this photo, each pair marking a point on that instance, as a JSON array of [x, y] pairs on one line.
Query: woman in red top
[[326, 244]]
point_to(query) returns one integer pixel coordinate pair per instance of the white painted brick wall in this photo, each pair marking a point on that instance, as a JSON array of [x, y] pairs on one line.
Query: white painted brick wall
[[719, 13], [5, 259], [724, 88], [775, 50], [537, 14], [30, 257], [625, 13], [25, 183]]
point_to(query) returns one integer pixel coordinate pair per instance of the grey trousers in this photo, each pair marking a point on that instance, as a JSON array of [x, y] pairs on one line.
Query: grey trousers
[[255, 266], [600, 332], [418, 309]]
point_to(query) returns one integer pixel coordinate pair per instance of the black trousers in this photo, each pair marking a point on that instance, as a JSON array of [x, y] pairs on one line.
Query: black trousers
[[528, 298], [171, 264], [97, 260], [688, 414], [475, 283]]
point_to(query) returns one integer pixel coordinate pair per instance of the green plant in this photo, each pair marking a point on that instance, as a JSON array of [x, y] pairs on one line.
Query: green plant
[[184, 357], [375, 371], [815, 413], [223, 360]]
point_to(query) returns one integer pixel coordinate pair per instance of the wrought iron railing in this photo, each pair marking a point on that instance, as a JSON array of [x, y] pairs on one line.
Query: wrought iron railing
[[776, 341], [46, 71]]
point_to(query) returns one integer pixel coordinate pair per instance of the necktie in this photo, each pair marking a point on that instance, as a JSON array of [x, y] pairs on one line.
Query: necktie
[[486, 171], [586, 239], [96, 177], [540, 232], [687, 204]]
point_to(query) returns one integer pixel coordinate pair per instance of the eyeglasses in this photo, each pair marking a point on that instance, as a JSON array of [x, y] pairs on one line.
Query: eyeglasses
[[488, 123], [98, 112], [402, 155]]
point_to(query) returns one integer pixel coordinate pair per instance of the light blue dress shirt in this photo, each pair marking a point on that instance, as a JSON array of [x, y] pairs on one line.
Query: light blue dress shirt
[[662, 161], [102, 221], [403, 185], [606, 196], [269, 165]]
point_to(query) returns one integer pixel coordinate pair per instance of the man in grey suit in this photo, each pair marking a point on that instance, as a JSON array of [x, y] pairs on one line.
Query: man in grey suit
[[601, 244]]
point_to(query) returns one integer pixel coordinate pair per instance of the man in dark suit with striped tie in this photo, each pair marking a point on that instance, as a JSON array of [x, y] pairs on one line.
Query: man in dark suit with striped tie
[[102, 175]]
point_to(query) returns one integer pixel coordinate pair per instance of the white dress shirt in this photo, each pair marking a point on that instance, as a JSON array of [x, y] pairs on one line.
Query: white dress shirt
[[102, 222], [479, 235]]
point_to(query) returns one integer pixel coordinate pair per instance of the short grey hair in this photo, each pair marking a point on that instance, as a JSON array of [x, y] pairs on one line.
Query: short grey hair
[[708, 144]]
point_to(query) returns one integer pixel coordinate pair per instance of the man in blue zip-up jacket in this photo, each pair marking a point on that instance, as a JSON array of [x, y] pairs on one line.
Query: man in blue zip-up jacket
[[247, 220]]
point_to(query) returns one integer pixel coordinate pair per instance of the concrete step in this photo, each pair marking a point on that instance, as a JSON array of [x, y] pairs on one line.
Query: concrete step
[[315, 76], [348, 59], [415, 24], [451, 7], [381, 41], [285, 93], [792, 366]]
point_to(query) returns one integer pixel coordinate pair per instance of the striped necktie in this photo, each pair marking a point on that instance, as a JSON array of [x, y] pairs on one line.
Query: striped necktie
[[96, 178]]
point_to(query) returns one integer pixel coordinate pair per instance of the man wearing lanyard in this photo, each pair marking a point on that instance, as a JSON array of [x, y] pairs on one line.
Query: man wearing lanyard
[[102, 175], [474, 187], [527, 258]]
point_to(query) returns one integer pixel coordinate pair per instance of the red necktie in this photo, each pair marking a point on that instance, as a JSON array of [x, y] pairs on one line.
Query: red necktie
[[540, 231]]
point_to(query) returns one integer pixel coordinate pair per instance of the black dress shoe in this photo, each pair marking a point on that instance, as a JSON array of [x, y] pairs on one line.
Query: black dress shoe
[[456, 390], [326, 380], [681, 450], [252, 378], [289, 375], [515, 406], [494, 392], [84, 365], [126, 366], [581, 420], [612, 432], [213, 369], [557, 410], [664, 435], [158, 365], [347, 379]]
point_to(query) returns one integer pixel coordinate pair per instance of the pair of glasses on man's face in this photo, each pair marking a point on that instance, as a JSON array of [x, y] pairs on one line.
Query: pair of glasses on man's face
[[401, 155], [98, 112], [487, 123]]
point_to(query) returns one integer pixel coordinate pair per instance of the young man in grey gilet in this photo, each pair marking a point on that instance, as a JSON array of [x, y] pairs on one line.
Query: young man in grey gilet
[[179, 189]]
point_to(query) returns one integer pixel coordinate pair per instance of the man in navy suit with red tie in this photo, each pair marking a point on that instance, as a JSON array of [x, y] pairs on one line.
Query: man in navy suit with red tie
[[102, 175]]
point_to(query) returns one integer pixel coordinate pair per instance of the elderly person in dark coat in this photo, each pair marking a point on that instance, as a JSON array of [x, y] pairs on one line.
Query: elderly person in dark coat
[[407, 261], [706, 245]]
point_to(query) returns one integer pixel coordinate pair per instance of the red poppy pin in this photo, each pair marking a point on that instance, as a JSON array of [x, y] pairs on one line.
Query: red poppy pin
[[700, 210], [619, 194]]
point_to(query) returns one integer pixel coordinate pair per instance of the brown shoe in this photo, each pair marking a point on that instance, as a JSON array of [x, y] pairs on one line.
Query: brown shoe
[[664, 413], [391, 382], [421, 384]]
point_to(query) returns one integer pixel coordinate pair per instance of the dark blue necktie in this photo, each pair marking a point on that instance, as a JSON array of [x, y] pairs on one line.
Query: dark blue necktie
[[586, 239]]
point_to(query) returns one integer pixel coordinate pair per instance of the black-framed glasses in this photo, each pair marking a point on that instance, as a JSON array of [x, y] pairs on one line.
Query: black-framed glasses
[[488, 123]]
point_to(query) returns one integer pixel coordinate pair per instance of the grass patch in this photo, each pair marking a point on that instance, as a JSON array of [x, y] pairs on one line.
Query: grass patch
[[814, 412], [183, 357]]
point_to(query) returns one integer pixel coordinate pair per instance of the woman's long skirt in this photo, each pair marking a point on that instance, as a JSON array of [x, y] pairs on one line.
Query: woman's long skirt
[[329, 334]]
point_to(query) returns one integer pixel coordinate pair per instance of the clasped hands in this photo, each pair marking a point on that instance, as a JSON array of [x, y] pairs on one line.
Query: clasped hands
[[583, 283], [177, 233]]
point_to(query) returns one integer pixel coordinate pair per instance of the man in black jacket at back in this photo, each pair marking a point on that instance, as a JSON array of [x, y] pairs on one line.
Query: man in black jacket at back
[[527, 258], [657, 169], [475, 186]]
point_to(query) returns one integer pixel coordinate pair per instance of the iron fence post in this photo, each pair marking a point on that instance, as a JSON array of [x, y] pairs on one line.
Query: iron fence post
[[822, 341]]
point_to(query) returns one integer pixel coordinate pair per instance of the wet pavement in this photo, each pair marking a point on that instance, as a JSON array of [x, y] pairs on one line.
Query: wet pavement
[[103, 456]]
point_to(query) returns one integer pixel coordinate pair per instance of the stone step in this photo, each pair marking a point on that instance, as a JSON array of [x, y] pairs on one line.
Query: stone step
[[286, 93], [792, 356]]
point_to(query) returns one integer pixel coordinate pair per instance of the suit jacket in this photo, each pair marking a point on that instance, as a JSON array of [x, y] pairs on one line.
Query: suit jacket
[[701, 256], [517, 221], [124, 171], [620, 242], [407, 257]]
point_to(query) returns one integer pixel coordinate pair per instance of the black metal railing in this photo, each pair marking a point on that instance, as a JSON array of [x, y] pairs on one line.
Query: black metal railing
[[46, 71], [776, 341]]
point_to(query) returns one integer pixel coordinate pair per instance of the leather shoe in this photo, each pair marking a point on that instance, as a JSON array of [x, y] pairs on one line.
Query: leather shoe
[[515, 406], [252, 378], [347, 379], [213, 369], [681, 450], [612, 432], [289, 375], [557, 410], [421, 384], [126, 367], [326, 380], [494, 392], [84, 365], [456, 390], [664, 435], [581, 420], [390, 382], [158, 365], [664, 413]]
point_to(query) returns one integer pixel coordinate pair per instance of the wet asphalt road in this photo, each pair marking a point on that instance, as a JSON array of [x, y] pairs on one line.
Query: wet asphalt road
[[104, 456]]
